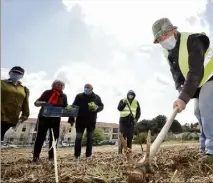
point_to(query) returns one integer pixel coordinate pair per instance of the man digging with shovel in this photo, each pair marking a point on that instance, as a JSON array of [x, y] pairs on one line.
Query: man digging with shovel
[[191, 63], [130, 112]]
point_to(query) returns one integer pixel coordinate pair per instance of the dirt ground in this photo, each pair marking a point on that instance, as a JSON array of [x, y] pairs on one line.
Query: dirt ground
[[173, 163]]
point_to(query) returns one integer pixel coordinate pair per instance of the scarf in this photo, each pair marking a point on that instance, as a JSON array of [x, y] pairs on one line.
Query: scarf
[[54, 97]]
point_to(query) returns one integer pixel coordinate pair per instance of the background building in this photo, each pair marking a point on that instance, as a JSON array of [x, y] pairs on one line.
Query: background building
[[26, 132]]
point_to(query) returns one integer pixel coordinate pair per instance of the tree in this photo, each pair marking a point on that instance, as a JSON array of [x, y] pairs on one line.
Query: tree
[[158, 123], [142, 126], [190, 128], [176, 127], [140, 138], [97, 137]]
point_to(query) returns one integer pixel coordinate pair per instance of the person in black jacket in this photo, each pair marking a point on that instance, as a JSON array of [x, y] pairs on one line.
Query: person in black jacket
[[56, 97], [130, 112], [89, 105]]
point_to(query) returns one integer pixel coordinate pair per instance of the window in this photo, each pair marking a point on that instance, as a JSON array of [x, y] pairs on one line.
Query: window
[[115, 130], [106, 130], [21, 137], [34, 127], [107, 137], [115, 136], [24, 128], [70, 130], [11, 139], [34, 137], [69, 139]]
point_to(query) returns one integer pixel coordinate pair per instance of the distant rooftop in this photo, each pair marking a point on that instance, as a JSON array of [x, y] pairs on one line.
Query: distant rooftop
[[98, 124]]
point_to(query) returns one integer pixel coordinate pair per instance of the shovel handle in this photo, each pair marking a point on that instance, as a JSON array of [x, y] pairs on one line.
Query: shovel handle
[[161, 136]]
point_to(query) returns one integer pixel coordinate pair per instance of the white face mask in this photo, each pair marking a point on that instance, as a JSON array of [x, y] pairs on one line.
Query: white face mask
[[169, 43], [130, 96]]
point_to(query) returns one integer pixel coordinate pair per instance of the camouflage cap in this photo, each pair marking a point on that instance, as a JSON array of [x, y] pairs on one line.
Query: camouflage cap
[[160, 27]]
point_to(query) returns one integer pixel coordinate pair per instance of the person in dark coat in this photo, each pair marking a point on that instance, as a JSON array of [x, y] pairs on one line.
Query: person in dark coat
[[130, 113], [89, 105], [56, 97]]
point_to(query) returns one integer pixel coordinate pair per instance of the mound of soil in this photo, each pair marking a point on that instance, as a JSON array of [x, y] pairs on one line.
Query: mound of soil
[[170, 165]]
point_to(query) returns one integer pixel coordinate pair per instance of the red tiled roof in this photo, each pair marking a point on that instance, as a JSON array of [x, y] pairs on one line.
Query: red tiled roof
[[104, 124]]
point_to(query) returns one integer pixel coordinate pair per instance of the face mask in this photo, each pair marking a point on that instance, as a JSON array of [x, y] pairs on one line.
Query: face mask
[[169, 43], [15, 76], [87, 91], [130, 96]]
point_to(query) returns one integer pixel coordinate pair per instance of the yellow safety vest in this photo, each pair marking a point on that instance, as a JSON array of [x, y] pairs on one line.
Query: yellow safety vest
[[126, 110], [183, 59]]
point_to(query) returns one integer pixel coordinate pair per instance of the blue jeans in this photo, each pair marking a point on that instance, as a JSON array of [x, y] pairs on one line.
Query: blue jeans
[[78, 141], [204, 114]]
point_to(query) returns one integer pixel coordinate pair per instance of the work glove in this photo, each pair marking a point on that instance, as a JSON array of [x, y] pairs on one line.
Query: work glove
[[92, 106], [68, 107]]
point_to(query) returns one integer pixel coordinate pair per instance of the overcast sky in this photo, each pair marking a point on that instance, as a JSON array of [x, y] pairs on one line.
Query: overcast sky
[[106, 43]]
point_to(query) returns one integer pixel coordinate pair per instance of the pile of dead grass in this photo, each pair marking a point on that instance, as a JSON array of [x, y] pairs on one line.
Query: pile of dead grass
[[170, 165]]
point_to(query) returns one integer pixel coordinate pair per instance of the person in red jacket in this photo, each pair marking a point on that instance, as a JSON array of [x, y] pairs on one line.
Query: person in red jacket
[[56, 97]]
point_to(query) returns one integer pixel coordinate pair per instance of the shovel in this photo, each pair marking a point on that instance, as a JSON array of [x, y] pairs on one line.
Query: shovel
[[143, 167]]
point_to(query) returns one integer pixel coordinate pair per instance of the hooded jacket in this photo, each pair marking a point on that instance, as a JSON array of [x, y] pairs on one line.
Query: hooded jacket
[[128, 119]]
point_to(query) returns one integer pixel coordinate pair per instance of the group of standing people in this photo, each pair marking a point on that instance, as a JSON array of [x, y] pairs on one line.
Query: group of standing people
[[15, 101], [15, 108], [191, 63]]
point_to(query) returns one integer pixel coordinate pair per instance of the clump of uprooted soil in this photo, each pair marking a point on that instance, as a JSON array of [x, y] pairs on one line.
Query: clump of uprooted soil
[[170, 165]]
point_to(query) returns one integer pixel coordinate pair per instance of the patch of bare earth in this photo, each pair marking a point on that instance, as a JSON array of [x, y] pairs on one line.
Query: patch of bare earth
[[176, 164]]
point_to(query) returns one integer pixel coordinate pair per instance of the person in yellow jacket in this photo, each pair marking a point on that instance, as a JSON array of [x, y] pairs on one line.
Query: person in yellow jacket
[[14, 100], [130, 112], [191, 63]]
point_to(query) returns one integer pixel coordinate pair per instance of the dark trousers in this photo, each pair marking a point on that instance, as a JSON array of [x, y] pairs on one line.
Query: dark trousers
[[45, 124], [78, 141], [127, 130], [4, 127]]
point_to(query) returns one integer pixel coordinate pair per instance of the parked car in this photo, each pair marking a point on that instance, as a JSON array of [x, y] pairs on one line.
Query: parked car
[[107, 142]]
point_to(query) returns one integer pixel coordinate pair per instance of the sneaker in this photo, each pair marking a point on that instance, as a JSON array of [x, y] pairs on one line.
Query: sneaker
[[36, 160], [88, 159], [77, 159], [207, 158]]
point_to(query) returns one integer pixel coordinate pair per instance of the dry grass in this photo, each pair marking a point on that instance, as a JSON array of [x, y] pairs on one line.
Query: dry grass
[[177, 164]]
